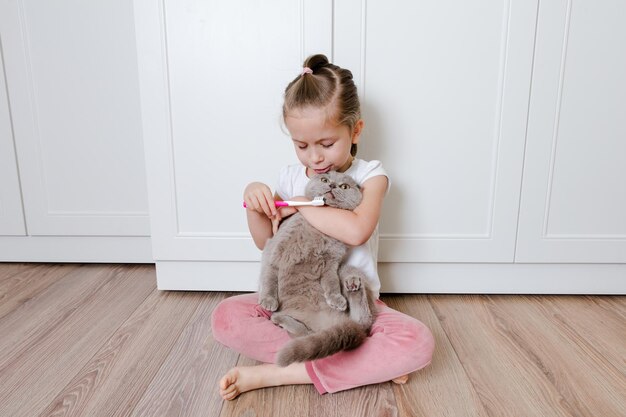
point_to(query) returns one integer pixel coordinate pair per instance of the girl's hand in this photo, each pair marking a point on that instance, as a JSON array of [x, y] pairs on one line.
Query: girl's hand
[[259, 198], [282, 213]]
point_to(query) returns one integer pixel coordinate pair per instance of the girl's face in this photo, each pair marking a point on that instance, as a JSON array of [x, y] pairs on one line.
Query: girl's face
[[320, 145]]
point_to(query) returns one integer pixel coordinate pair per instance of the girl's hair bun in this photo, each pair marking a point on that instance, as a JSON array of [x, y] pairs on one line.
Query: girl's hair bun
[[315, 62]]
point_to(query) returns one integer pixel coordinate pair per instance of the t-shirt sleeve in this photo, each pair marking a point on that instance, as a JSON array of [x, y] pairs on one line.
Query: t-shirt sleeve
[[284, 186], [373, 169]]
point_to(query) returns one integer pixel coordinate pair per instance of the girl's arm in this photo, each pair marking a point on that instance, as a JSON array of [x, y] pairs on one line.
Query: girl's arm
[[351, 227], [260, 228], [260, 211]]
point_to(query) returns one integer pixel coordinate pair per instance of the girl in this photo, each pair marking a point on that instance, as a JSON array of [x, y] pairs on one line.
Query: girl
[[322, 114]]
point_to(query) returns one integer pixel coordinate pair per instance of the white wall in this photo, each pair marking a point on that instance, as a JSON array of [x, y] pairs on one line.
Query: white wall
[[500, 124]]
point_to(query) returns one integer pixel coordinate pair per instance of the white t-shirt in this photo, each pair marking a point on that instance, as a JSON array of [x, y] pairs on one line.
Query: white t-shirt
[[292, 181]]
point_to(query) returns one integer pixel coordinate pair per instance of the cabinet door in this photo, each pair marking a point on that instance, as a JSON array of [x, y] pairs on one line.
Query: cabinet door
[[574, 195], [212, 77], [444, 87], [11, 212], [72, 81]]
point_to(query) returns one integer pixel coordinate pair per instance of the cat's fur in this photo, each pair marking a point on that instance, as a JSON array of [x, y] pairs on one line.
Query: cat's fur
[[325, 306]]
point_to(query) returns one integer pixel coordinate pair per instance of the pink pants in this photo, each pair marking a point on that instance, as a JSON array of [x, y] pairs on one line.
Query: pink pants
[[398, 345]]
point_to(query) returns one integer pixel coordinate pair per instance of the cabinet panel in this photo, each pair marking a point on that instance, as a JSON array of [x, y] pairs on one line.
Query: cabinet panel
[[11, 212], [573, 195], [212, 77], [73, 89], [445, 88]]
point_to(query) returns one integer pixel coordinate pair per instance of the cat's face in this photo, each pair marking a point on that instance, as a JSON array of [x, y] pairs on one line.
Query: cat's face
[[339, 190]]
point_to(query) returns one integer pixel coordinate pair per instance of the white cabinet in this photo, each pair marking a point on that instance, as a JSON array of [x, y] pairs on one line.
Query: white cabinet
[[211, 91], [70, 107], [11, 212], [445, 94], [574, 191], [457, 100]]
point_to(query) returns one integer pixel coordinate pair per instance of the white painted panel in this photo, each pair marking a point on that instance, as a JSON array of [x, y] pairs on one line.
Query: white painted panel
[[574, 194], [72, 77], [445, 88], [11, 212], [446, 278], [212, 78], [105, 249]]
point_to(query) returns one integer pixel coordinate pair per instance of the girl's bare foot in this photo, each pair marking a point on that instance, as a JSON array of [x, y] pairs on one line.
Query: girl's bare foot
[[238, 380], [247, 378], [401, 380]]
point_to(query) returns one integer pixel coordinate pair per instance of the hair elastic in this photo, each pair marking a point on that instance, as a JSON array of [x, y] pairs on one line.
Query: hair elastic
[[306, 70]]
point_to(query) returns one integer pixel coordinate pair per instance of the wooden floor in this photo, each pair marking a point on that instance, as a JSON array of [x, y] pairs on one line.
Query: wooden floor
[[100, 340]]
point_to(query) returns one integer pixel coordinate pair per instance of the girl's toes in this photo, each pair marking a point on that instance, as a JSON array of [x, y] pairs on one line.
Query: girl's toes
[[401, 380]]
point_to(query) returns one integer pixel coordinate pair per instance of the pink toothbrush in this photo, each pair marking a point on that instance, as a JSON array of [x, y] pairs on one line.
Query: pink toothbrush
[[317, 201]]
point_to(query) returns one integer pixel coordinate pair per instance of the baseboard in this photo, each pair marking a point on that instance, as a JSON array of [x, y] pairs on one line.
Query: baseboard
[[419, 277], [100, 249], [504, 278]]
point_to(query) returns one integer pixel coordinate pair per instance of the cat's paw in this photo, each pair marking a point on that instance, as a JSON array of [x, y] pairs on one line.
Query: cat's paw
[[294, 327], [352, 283], [278, 320], [337, 301], [269, 303]]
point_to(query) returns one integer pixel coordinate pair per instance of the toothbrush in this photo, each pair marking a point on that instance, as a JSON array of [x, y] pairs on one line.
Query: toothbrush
[[317, 201]]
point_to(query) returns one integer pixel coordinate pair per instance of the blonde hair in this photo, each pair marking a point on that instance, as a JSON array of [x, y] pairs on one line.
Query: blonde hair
[[325, 85]]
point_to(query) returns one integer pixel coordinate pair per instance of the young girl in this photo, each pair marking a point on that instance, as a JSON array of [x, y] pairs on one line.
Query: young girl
[[322, 114]]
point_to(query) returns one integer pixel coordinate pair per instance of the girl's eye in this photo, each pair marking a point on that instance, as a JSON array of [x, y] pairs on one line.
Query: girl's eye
[[328, 146], [302, 146], [324, 179], [344, 186]]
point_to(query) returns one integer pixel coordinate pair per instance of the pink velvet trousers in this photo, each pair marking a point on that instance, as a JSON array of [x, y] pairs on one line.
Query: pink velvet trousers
[[398, 345]]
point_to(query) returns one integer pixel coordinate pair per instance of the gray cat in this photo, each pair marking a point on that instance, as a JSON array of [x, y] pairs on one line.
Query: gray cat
[[325, 306]]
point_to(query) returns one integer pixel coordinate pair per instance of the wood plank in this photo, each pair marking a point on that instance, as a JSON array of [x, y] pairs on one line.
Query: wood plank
[[584, 380], [610, 304], [368, 401], [501, 365], [19, 288], [100, 340], [8, 269], [32, 377], [428, 391], [589, 324], [36, 317], [113, 384], [187, 383], [90, 379]]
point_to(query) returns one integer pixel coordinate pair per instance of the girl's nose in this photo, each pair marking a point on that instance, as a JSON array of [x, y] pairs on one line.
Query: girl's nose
[[318, 157]]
